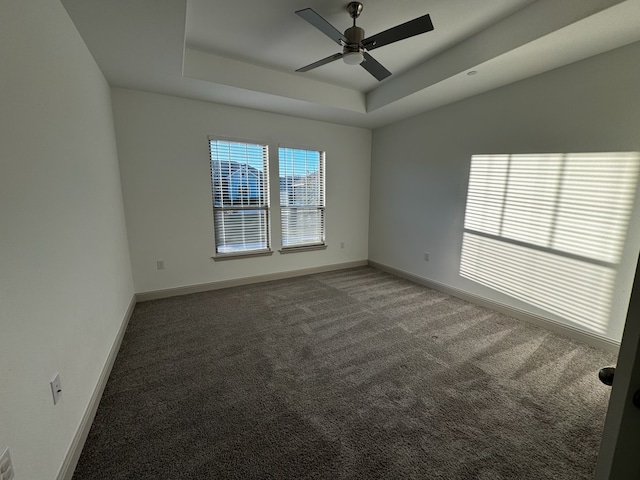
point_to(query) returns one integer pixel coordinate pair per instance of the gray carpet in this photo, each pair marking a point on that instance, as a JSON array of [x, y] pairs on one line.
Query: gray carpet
[[354, 374]]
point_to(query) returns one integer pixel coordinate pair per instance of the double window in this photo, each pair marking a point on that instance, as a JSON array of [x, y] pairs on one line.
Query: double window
[[241, 200]]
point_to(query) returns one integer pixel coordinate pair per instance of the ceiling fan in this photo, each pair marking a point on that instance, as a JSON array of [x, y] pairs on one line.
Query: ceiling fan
[[355, 47]]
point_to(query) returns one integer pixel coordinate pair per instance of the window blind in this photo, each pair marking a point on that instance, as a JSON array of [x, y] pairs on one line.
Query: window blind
[[240, 192], [302, 197]]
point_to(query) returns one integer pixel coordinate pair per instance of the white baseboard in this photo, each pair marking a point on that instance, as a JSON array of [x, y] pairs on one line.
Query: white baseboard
[[73, 454], [204, 287], [574, 333]]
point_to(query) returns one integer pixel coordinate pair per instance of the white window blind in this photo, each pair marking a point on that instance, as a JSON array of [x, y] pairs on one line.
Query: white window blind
[[302, 197], [240, 190], [549, 229]]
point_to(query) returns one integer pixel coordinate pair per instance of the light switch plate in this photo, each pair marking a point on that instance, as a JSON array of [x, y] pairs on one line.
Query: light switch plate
[[56, 389]]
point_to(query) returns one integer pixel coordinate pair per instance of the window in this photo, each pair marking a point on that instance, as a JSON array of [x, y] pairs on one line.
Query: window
[[302, 197], [549, 229], [240, 189]]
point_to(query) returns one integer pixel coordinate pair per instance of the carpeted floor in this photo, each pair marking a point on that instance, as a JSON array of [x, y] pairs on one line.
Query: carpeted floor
[[354, 374]]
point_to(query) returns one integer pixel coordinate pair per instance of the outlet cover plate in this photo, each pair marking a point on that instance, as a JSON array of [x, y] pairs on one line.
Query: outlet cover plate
[[56, 388]]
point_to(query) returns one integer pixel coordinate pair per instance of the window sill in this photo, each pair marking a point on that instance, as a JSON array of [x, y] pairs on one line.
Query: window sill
[[231, 256], [304, 248]]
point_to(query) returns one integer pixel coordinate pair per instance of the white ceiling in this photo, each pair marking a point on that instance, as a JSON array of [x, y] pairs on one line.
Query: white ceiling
[[244, 53], [270, 34]]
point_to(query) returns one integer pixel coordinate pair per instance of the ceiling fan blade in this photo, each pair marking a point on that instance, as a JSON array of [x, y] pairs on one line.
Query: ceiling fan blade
[[321, 24], [376, 69], [400, 32], [319, 63]]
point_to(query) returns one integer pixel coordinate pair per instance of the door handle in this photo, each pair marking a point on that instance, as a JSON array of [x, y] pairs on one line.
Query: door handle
[[606, 375]]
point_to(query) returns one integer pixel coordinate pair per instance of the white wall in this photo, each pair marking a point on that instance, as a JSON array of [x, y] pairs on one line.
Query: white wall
[[164, 160], [65, 275], [420, 166]]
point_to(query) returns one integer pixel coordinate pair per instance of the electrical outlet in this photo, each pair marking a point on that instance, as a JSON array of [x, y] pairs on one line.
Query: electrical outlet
[[426, 256], [341, 244], [56, 389], [160, 264], [6, 469]]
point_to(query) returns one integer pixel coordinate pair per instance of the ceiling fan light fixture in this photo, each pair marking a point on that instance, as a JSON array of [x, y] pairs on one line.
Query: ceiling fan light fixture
[[353, 58]]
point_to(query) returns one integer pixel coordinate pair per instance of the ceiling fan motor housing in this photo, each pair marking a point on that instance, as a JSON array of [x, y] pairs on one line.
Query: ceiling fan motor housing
[[354, 35]]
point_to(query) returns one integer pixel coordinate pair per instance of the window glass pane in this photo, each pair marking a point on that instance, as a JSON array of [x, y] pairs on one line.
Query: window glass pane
[[241, 230], [301, 177], [302, 196], [239, 174], [240, 179], [302, 226]]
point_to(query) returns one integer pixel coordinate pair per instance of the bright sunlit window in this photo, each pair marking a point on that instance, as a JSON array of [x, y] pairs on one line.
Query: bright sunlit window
[[549, 229], [240, 189], [302, 197]]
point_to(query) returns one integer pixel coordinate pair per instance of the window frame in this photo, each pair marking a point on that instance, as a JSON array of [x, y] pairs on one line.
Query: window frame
[[264, 193], [321, 207]]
